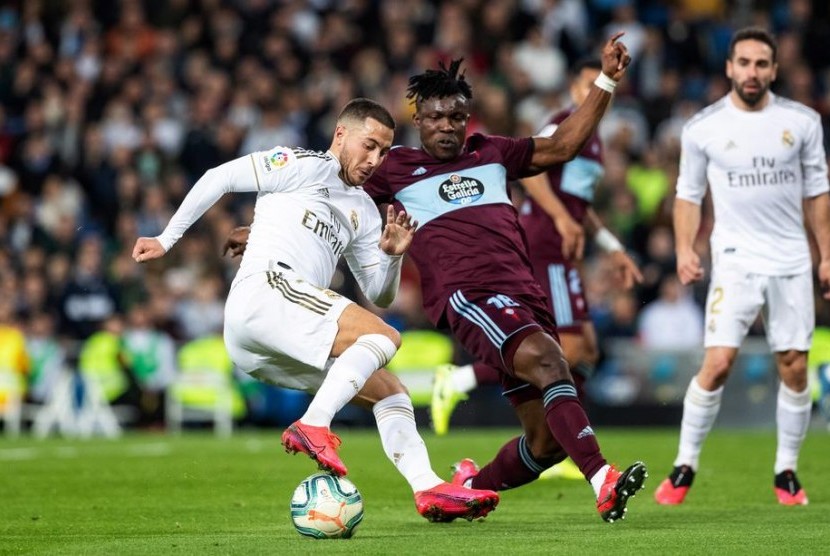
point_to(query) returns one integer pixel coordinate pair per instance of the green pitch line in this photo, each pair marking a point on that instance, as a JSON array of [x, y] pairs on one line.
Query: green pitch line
[[153, 494]]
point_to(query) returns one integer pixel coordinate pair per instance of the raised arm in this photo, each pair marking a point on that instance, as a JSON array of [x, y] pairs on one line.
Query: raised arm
[[572, 134]]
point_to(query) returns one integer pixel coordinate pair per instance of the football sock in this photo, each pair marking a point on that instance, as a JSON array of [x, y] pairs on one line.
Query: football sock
[[793, 418], [599, 478], [403, 445], [347, 376], [570, 426], [485, 374], [513, 466], [700, 409], [463, 379]]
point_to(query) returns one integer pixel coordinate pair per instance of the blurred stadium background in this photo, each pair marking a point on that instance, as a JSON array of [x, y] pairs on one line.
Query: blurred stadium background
[[110, 110]]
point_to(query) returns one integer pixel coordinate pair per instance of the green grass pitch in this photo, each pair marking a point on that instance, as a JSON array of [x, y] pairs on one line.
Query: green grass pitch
[[195, 494]]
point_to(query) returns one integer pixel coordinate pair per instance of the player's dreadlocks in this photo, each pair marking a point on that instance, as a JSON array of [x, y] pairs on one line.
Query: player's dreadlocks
[[439, 83]]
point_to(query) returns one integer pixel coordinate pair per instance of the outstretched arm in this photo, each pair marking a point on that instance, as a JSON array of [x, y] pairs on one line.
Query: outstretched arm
[[572, 134], [236, 175]]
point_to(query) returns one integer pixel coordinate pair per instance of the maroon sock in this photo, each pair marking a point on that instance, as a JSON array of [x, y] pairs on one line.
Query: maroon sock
[[485, 374], [513, 466], [571, 428]]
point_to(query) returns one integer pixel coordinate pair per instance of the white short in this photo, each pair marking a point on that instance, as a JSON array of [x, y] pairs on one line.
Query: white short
[[280, 329], [736, 296]]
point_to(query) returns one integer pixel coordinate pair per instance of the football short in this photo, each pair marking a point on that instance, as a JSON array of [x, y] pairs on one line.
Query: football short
[[562, 282], [491, 325], [280, 329], [736, 297]]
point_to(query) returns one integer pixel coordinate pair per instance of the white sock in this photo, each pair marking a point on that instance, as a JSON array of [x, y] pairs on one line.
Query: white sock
[[463, 379], [403, 445], [599, 478], [347, 376], [700, 409], [793, 419]]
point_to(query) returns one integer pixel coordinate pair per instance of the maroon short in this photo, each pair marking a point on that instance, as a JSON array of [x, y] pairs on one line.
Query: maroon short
[[562, 282], [491, 326]]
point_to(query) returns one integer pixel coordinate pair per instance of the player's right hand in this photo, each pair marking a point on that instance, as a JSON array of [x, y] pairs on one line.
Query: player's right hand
[[237, 241], [688, 267], [573, 237], [615, 58], [147, 249]]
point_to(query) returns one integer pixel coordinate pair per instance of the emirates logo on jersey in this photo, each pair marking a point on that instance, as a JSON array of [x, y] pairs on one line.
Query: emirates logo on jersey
[[460, 190]]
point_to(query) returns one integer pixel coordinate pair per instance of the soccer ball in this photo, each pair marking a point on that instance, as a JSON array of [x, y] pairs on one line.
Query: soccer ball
[[326, 507]]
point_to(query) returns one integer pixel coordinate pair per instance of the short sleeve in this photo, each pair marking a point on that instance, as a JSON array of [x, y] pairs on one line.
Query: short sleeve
[[814, 160], [691, 180], [516, 154]]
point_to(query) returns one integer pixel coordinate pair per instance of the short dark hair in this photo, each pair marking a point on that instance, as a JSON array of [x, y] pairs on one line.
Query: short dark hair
[[586, 63], [443, 82], [754, 34], [359, 109]]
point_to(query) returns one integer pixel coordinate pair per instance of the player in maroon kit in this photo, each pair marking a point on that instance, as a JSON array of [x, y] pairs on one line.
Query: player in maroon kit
[[477, 279], [554, 217]]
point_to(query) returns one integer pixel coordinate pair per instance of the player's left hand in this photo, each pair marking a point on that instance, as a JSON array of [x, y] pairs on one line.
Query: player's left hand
[[615, 58], [824, 278], [237, 241], [398, 232], [147, 249], [627, 269]]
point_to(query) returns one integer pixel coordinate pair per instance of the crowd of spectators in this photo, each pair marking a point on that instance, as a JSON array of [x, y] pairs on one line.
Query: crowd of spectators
[[110, 110]]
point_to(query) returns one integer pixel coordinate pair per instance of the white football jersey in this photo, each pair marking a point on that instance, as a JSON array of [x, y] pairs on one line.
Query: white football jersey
[[759, 166], [305, 218]]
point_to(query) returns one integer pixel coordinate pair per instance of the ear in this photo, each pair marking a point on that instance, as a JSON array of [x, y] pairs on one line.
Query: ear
[[729, 68], [774, 71], [416, 120], [340, 133]]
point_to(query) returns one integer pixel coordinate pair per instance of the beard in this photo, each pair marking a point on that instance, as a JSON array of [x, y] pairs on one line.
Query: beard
[[752, 98]]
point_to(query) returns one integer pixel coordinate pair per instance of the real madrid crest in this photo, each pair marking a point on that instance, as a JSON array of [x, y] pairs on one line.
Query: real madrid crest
[[353, 220], [787, 138]]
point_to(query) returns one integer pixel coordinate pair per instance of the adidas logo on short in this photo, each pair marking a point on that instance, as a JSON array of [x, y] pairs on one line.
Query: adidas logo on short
[[587, 431]]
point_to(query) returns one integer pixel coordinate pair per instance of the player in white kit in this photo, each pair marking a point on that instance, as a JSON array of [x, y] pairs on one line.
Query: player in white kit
[[763, 158], [282, 323]]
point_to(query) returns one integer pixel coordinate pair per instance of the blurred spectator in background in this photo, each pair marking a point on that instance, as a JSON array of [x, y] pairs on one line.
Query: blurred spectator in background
[[673, 321], [151, 355]]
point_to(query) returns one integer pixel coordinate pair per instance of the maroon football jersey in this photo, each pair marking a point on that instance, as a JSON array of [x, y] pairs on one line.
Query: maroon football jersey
[[573, 183], [469, 236]]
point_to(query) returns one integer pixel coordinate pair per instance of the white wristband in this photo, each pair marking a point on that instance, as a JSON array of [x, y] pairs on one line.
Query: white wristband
[[605, 83], [606, 241]]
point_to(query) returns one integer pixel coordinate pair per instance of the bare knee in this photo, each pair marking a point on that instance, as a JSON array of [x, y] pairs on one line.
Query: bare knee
[[717, 364], [539, 360], [792, 368]]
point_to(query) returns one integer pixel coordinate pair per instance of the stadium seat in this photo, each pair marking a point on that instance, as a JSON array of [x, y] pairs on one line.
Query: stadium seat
[[200, 396], [204, 389]]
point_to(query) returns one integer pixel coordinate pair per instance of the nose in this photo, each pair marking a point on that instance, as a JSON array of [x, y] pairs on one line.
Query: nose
[[445, 125], [374, 159]]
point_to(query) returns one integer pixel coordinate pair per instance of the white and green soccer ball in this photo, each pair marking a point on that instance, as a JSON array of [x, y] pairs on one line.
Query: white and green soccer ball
[[325, 506]]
